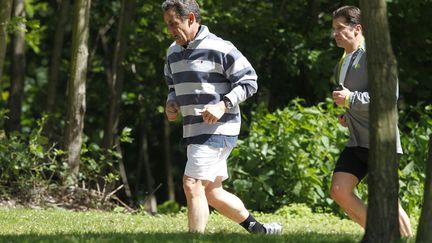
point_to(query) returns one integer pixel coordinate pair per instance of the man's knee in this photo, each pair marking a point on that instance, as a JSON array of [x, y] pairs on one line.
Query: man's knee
[[212, 196], [338, 194], [193, 187]]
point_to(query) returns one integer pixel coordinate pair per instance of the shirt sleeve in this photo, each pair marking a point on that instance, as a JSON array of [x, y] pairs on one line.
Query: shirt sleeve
[[169, 82], [242, 76], [359, 101]]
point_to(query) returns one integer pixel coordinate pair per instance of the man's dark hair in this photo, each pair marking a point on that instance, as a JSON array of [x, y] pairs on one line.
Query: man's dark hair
[[183, 8], [351, 14]]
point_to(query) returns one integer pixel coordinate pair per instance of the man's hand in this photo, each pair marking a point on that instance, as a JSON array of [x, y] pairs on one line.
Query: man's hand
[[342, 120], [339, 96], [171, 110], [212, 113]]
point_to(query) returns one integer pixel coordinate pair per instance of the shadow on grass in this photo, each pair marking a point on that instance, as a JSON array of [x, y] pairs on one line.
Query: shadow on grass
[[182, 237]]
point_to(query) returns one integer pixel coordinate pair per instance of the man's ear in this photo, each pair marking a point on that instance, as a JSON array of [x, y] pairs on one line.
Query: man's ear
[[191, 18], [358, 29]]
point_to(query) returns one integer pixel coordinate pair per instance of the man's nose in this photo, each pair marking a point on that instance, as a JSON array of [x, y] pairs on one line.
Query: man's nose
[[171, 30], [334, 33]]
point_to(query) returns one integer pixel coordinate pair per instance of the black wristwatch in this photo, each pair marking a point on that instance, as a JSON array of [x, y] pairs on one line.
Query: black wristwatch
[[228, 103]]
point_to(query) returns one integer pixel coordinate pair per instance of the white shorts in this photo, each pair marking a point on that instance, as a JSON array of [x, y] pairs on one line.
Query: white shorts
[[206, 163]]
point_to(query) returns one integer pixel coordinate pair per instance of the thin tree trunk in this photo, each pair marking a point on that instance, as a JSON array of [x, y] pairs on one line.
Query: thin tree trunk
[[5, 13], [143, 157], [424, 232], [53, 75], [117, 75], [123, 173], [315, 8], [382, 222], [116, 79], [168, 165], [76, 105], [18, 72], [101, 34]]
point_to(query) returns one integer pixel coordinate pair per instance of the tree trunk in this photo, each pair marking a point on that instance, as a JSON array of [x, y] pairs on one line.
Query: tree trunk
[[53, 75], [76, 105], [116, 79], [143, 157], [5, 13], [123, 174], [18, 72], [424, 232], [117, 75], [168, 166], [315, 9], [382, 222]]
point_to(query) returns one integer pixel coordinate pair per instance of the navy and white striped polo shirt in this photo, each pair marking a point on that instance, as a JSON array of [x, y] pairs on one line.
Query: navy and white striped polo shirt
[[208, 69]]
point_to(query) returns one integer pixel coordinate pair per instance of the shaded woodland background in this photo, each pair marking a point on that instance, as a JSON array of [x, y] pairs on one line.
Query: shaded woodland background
[[126, 138]]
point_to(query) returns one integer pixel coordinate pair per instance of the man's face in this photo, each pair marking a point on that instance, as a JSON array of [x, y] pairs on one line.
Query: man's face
[[343, 33], [179, 29]]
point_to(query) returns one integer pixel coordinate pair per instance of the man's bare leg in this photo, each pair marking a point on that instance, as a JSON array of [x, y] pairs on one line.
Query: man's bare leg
[[233, 208], [343, 185], [198, 211], [225, 202], [342, 191], [404, 223]]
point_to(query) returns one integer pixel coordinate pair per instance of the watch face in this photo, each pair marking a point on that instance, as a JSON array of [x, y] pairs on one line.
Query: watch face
[[228, 103]]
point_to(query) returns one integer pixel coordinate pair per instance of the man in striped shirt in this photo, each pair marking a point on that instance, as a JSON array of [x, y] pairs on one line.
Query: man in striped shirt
[[207, 78]]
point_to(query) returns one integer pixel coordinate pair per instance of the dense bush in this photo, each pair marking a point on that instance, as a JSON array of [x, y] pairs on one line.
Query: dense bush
[[26, 163], [416, 127], [289, 155], [35, 172]]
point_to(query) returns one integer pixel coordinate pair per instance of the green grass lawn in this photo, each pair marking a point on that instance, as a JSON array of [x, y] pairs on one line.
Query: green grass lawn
[[58, 225]]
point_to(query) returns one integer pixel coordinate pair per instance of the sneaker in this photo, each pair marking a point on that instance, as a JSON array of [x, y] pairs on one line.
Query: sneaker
[[273, 228]]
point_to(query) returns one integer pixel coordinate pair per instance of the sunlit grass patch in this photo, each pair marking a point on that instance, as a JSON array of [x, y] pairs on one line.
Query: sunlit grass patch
[[59, 225]]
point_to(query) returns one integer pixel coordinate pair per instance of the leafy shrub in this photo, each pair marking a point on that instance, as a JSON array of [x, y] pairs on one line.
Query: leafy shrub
[[27, 164], [416, 127], [299, 210], [289, 155], [33, 171], [168, 207]]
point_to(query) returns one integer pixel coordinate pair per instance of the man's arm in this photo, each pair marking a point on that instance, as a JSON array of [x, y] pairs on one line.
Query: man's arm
[[352, 100], [171, 107], [359, 101], [212, 113], [171, 110], [242, 76], [243, 80]]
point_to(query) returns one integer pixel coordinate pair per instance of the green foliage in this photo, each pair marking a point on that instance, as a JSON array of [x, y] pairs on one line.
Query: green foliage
[[288, 43], [295, 210], [288, 156], [168, 207], [291, 51], [32, 28], [416, 127], [99, 165], [412, 47], [17, 24], [31, 163], [26, 165]]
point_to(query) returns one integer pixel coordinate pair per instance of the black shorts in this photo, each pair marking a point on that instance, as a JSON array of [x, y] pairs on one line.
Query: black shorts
[[353, 160]]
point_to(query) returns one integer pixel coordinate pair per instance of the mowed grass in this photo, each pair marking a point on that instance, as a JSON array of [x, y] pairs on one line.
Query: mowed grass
[[58, 225]]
